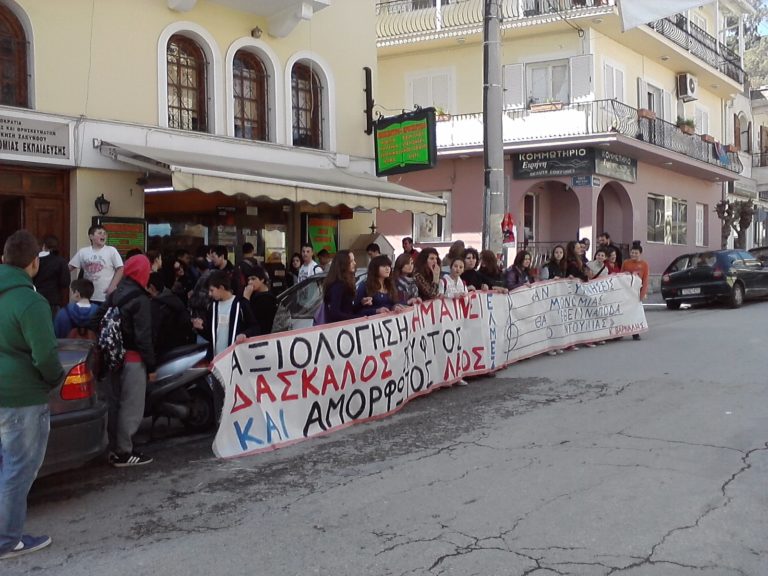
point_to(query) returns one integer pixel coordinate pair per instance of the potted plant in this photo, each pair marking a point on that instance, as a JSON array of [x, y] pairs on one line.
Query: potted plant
[[708, 139], [441, 115], [731, 148], [686, 125]]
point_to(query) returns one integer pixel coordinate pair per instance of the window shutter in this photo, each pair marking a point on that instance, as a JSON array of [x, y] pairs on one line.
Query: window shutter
[[666, 105], [609, 82], [702, 121], [699, 224], [582, 73], [619, 85], [642, 92], [442, 92], [418, 92], [514, 86], [736, 131]]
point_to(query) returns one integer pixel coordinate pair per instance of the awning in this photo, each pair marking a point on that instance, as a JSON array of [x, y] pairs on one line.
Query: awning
[[333, 186]]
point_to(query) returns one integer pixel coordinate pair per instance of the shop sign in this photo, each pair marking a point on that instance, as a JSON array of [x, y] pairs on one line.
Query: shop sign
[[34, 138], [405, 143], [322, 232], [547, 163], [124, 234], [615, 165]]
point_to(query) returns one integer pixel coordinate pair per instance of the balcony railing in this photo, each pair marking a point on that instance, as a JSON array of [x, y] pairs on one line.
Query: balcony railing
[[706, 48], [760, 160], [404, 18], [588, 118]]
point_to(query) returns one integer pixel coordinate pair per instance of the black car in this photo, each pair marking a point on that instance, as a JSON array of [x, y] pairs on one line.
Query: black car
[[78, 414], [726, 275], [760, 253]]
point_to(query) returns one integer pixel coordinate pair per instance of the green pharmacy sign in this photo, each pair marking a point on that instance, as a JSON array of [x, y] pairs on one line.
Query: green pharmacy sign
[[405, 143]]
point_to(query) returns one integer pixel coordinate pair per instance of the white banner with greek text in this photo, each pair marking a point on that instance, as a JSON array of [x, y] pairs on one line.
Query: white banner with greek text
[[287, 387]]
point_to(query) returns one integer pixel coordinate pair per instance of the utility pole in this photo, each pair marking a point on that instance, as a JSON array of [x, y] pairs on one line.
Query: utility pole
[[494, 198]]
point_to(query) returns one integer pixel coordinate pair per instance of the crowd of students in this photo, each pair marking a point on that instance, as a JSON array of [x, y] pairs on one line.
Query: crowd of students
[[419, 275]]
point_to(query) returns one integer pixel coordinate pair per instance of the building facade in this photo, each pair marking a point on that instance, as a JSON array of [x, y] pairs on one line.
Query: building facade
[[604, 130], [199, 121]]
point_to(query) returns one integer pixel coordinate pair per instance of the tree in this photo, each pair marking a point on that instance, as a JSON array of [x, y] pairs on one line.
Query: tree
[[735, 215], [756, 45]]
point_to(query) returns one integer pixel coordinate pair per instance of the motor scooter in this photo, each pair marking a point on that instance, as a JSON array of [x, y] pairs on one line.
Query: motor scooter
[[183, 389]]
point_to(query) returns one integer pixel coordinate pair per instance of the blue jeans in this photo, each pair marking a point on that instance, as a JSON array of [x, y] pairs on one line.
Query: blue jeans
[[23, 439]]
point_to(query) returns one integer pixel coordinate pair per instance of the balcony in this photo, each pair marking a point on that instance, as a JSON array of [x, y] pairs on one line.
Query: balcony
[[760, 160], [697, 42], [601, 117], [403, 20]]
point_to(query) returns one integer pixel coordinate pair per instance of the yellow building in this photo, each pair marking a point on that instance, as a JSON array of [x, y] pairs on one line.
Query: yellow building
[[604, 130], [210, 121]]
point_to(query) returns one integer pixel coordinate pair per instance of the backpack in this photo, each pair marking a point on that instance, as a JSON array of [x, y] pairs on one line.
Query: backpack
[[82, 333], [79, 332], [110, 340]]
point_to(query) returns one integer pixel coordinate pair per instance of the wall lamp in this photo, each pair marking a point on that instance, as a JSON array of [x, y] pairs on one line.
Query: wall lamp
[[102, 205]]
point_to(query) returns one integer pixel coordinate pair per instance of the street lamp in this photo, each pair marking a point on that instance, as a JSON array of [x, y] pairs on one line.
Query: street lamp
[[102, 205]]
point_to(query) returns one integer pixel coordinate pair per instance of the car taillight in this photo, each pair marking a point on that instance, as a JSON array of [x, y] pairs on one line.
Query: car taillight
[[78, 385], [665, 278], [717, 272]]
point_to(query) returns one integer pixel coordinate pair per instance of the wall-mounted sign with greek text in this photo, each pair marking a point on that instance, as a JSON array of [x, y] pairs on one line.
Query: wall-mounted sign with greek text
[[405, 143], [548, 163], [22, 137], [615, 165]]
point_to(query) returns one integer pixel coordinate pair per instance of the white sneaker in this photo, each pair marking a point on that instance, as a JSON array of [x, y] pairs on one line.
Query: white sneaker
[[552, 353]]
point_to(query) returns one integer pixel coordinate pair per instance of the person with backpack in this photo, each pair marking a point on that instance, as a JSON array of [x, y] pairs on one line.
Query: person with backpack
[[171, 323], [124, 327], [74, 320]]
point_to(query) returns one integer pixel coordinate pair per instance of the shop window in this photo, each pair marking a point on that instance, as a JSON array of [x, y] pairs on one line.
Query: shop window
[[307, 107], [667, 220], [187, 93], [13, 60], [250, 92]]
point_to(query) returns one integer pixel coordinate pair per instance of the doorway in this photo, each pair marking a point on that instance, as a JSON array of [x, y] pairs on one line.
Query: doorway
[[11, 211]]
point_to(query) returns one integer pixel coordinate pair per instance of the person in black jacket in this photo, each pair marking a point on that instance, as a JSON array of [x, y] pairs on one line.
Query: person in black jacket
[[128, 386], [230, 319], [263, 302], [53, 277], [171, 324]]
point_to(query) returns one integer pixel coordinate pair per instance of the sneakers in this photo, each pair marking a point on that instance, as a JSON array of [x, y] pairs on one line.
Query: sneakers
[[635, 336], [589, 345], [26, 545], [552, 352], [572, 348], [561, 351], [125, 460], [462, 382], [601, 342]]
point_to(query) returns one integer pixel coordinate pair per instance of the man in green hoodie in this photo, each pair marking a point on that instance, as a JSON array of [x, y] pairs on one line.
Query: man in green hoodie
[[29, 369]]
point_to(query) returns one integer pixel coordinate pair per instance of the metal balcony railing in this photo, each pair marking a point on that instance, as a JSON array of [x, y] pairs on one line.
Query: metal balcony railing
[[404, 18], [587, 118], [760, 160], [706, 48]]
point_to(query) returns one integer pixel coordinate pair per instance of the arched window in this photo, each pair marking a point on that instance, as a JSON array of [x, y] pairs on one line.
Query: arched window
[[307, 104], [187, 94], [13, 60], [250, 92]]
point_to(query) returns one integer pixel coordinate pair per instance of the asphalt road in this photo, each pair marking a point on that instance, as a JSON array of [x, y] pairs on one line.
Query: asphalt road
[[640, 458]]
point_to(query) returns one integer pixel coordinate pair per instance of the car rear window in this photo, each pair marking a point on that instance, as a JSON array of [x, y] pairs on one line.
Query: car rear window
[[681, 263], [704, 259]]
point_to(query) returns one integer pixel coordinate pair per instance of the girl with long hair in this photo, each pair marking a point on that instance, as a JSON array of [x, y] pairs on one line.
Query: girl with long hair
[[574, 265], [339, 288], [378, 293], [555, 268], [471, 276], [490, 272], [293, 269], [427, 274], [407, 291], [519, 274], [639, 267]]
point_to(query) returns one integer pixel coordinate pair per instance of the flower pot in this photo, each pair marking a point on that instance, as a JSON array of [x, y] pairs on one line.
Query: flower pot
[[708, 139], [686, 129], [546, 106], [645, 114], [731, 148], [442, 117]]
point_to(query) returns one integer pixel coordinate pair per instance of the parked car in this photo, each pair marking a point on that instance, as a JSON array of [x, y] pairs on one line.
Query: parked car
[[296, 307], [78, 414], [760, 253], [726, 275]]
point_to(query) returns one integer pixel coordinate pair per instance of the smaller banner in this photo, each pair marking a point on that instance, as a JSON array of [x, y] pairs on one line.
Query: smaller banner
[[283, 388]]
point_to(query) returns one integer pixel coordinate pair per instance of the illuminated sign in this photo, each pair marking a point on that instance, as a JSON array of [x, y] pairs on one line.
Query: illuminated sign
[[405, 143]]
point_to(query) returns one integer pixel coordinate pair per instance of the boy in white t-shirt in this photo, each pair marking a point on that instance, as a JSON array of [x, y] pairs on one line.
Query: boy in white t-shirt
[[101, 264], [308, 265]]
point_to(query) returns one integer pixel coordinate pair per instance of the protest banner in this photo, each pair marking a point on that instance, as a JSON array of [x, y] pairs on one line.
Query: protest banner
[[287, 387]]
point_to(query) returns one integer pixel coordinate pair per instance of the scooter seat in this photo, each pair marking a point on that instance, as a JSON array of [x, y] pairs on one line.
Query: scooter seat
[[186, 350]]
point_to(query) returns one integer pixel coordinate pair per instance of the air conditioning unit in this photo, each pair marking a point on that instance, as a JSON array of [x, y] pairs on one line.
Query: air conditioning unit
[[687, 87]]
